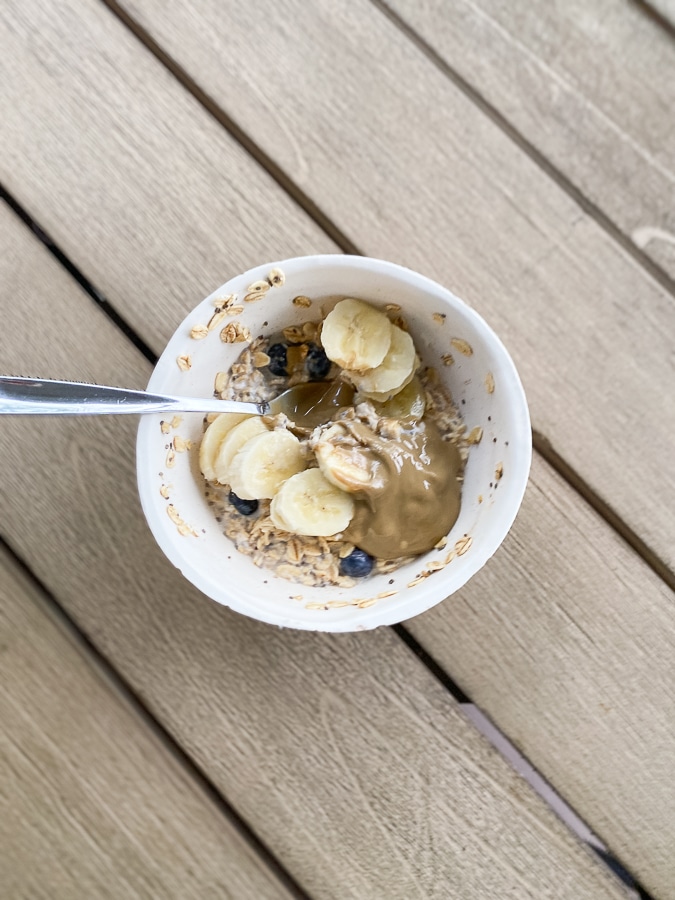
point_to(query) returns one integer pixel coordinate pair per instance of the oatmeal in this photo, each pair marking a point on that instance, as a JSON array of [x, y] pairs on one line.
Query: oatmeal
[[362, 470]]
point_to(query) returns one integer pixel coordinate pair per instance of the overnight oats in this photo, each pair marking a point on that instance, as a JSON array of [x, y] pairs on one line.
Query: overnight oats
[[359, 467]]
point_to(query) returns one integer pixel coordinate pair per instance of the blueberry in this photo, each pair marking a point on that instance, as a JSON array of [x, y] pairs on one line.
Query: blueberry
[[278, 359], [245, 507], [357, 565], [317, 363]]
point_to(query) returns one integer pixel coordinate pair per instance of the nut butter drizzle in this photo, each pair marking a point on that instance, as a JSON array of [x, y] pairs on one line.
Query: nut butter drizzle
[[412, 497]]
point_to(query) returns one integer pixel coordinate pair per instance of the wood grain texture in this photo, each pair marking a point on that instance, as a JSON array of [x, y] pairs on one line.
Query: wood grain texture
[[151, 197], [339, 95], [92, 804], [343, 752], [581, 640], [591, 87]]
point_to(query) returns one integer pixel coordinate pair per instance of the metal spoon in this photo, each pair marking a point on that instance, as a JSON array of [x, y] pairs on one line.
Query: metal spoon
[[33, 396]]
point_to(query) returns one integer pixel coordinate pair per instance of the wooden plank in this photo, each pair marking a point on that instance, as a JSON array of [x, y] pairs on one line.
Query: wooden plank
[[591, 87], [160, 204], [580, 639], [343, 752], [664, 8], [92, 803], [591, 332]]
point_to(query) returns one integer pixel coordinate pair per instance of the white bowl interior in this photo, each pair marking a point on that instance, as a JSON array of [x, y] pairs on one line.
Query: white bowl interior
[[489, 504]]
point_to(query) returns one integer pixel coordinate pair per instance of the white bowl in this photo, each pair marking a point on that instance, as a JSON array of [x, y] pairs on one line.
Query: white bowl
[[489, 504]]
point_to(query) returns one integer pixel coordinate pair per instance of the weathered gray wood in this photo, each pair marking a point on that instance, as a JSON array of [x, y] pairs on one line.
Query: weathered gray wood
[[591, 86], [397, 156], [344, 753], [581, 640], [92, 804], [159, 205]]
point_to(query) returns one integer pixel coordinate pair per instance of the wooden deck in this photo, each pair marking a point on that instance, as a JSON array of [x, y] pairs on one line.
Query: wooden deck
[[154, 744]]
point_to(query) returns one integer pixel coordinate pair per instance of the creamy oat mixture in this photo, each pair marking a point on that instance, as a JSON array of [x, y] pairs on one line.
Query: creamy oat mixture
[[366, 439]]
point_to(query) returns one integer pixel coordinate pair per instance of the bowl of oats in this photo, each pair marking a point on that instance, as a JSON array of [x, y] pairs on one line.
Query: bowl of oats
[[385, 472]]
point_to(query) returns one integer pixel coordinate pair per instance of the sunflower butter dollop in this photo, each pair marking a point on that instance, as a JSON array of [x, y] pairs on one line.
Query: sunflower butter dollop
[[404, 480]]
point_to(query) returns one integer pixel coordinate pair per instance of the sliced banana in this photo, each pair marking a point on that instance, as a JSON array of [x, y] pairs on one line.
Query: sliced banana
[[233, 441], [264, 463], [309, 504], [408, 403], [344, 466], [386, 396], [213, 437], [395, 370], [355, 335]]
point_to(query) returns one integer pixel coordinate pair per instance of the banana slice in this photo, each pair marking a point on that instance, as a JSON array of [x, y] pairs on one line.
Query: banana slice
[[395, 370], [355, 335], [264, 463], [213, 437], [385, 396], [309, 504], [233, 441], [344, 466], [408, 403]]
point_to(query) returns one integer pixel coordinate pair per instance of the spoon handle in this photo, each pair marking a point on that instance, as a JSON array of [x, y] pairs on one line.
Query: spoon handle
[[33, 396]]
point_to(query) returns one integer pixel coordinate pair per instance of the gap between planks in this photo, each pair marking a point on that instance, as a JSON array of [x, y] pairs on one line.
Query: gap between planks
[[523, 144], [491, 112], [86, 285], [478, 718], [97, 659], [303, 201], [521, 764], [655, 15], [545, 449]]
